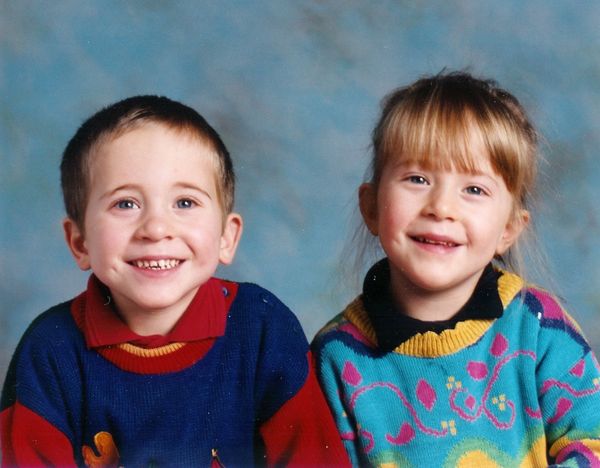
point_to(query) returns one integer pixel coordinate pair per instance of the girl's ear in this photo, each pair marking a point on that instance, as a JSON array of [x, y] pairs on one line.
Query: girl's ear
[[513, 230], [76, 243], [367, 201], [232, 233]]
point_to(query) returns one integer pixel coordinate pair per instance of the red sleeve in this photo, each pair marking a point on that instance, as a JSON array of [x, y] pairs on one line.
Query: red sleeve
[[30, 440], [302, 432]]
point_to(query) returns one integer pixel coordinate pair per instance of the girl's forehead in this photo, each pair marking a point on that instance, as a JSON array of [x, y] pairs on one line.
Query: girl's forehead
[[469, 162], [435, 140]]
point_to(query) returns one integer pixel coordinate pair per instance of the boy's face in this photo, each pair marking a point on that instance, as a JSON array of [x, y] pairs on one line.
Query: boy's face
[[154, 227]]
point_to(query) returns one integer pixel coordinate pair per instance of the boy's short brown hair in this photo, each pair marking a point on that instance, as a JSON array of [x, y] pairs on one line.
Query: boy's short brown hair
[[122, 116]]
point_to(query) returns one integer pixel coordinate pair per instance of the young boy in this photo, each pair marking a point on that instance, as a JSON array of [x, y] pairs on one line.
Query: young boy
[[158, 363]]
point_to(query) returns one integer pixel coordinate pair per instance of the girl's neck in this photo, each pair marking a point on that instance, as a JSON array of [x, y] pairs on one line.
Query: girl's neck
[[429, 306]]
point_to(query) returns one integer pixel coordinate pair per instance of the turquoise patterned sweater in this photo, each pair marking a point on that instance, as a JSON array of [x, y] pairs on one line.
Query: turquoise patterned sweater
[[519, 390]]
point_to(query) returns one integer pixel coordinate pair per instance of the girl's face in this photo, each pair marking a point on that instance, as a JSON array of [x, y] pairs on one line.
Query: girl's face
[[440, 228]]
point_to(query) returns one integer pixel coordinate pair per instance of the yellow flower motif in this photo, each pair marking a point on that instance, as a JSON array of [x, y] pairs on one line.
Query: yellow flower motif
[[450, 382], [500, 401], [450, 425]]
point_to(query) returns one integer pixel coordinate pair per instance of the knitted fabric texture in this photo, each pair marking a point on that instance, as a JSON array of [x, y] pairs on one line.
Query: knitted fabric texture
[[249, 395], [520, 390]]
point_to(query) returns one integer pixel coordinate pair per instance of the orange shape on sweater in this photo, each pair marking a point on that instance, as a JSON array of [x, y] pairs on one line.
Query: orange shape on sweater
[[105, 446]]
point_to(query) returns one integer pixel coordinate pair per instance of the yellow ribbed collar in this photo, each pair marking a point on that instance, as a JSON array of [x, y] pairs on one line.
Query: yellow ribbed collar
[[431, 344]]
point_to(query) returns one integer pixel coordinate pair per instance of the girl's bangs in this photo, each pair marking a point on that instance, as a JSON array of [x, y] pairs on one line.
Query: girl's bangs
[[436, 141], [459, 133]]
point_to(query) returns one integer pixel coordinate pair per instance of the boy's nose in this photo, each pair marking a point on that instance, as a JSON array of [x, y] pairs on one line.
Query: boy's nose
[[442, 204], [155, 227]]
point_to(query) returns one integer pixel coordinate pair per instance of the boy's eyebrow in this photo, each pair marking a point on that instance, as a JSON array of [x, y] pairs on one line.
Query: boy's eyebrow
[[179, 185], [191, 186], [120, 188]]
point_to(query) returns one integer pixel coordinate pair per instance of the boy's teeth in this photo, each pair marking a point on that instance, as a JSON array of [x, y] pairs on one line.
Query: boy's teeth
[[161, 264]]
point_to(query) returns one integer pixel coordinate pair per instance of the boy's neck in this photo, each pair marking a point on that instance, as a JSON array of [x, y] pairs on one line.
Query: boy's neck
[[150, 322]]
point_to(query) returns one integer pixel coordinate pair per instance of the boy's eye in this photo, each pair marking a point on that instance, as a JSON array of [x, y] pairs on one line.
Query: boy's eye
[[126, 204], [185, 203]]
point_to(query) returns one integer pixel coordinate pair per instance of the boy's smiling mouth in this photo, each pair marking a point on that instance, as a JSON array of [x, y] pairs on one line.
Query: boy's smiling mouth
[[162, 264]]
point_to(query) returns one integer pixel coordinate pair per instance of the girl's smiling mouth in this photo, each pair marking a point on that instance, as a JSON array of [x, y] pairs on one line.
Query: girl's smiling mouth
[[432, 240]]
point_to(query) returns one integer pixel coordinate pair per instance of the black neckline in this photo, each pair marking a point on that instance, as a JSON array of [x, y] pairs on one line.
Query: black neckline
[[393, 327]]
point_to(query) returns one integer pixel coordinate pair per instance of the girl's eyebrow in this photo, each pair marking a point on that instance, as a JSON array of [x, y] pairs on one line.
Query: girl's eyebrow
[[492, 178], [404, 164]]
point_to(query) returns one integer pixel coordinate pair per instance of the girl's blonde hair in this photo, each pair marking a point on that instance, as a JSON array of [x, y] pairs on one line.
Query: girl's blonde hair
[[435, 121]]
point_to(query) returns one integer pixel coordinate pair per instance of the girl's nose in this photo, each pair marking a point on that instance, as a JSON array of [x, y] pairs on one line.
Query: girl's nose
[[442, 204]]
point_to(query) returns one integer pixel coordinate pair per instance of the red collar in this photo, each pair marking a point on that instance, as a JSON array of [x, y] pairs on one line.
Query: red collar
[[204, 318]]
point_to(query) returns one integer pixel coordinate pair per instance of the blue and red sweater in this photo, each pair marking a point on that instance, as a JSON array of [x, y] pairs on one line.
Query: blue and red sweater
[[249, 395]]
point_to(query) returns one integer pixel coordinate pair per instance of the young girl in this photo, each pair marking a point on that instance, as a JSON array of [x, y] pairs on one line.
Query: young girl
[[447, 358]]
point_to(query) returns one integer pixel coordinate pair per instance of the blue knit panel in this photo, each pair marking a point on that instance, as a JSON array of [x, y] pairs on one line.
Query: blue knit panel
[[172, 419], [282, 366], [44, 369]]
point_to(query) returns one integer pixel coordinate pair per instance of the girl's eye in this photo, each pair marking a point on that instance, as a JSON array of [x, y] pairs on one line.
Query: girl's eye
[[417, 179], [186, 203], [475, 190], [126, 205]]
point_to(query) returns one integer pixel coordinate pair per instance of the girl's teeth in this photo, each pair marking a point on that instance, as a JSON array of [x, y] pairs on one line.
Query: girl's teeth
[[429, 241], [161, 264]]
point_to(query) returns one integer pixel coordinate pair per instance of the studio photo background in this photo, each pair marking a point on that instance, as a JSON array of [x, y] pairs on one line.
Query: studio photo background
[[293, 87]]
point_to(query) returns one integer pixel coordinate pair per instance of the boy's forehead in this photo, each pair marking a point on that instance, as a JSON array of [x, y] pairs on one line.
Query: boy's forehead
[[183, 132], [124, 139], [113, 153]]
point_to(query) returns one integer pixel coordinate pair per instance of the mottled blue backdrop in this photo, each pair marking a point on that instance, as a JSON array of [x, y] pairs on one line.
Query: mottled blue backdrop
[[294, 89]]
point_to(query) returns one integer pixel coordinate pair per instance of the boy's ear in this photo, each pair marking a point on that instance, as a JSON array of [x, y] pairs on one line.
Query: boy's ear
[[76, 243], [513, 230], [232, 233], [367, 201]]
